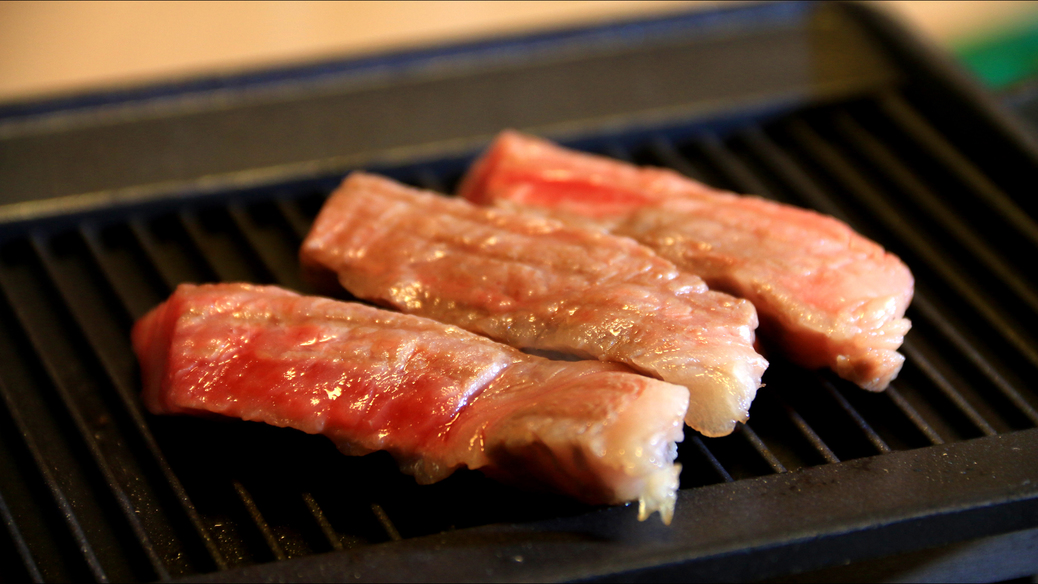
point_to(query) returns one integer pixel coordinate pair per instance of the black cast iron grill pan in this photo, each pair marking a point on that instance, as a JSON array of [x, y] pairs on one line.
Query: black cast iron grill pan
[[93, 488]]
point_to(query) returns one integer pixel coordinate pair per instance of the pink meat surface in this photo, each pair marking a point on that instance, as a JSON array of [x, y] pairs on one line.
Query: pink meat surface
[[826, 296], [536, 283], [434, 396]]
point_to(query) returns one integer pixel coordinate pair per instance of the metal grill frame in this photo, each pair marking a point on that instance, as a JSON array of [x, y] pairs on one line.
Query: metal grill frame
[[751, 528]]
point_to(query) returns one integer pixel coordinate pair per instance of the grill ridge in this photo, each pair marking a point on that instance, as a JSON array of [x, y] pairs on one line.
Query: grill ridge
[[914, 125], [968, 288], [56, 490], [121, 374], [22, 550], [80, 392]]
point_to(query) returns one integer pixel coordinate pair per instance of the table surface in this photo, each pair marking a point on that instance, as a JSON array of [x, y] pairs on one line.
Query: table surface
[[54, 48]]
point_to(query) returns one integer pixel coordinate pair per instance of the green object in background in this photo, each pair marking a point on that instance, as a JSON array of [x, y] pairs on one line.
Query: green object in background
[[1006, 58]]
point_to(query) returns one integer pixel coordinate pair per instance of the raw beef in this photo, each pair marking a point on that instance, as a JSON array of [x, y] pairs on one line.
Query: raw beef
[[434, 396], [826, 296], [537, 283]]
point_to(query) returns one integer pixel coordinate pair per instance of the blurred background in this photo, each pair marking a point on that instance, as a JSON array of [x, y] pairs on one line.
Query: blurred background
[[56, 48]]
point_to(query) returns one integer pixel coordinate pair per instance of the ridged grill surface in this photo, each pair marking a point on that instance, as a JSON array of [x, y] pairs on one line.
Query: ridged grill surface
[[93, 488]]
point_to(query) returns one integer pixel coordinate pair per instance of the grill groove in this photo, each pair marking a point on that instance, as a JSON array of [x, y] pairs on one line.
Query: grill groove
[[112, 350], [931, 142], [29, 568], [967, 287]]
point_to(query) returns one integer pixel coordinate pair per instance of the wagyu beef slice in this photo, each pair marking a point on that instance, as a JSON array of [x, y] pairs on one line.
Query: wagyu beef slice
[[536, 283], [434, 396], [825, 295]]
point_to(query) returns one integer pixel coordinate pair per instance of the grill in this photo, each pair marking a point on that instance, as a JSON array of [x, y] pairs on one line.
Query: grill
[[109, 201]]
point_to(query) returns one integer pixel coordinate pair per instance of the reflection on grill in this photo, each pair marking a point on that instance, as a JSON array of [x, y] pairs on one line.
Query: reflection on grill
[[92, 488]]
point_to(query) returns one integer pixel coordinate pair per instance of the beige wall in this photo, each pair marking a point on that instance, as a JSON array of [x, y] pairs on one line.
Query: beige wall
[[57, 47]]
